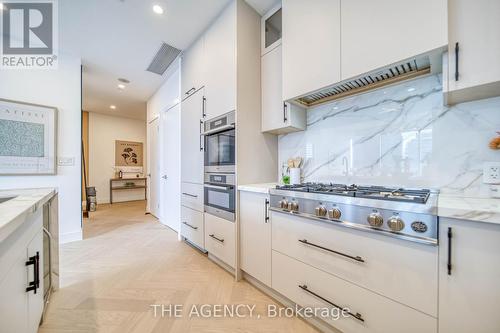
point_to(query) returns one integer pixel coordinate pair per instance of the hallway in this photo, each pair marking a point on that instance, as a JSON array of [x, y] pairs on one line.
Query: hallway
[[127, 262]]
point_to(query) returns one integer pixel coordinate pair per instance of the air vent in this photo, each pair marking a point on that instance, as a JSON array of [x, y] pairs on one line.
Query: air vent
[[374, 80], [163, 58]]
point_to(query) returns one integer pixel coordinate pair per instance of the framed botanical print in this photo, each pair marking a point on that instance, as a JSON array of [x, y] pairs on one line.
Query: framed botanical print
[[28, 138], [128, 154]]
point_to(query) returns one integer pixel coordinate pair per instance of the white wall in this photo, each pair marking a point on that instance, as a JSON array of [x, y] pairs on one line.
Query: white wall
[[59, 88], [103, 131]]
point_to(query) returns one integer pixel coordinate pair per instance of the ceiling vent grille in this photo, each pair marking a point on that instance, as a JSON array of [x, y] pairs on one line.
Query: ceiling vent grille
[[163, 58], [403, 71]]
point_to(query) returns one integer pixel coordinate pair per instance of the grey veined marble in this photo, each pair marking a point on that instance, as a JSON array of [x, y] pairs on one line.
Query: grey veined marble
[[399, 135]]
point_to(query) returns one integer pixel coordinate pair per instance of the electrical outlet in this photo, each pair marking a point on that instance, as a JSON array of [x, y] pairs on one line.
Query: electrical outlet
[[491, 173]]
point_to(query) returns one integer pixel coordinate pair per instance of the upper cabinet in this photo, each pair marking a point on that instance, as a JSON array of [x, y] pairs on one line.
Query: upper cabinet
[[311, 45], [271, 28], [377, 33], [220, 55], [474, 51], [193, 68], [278, 117]]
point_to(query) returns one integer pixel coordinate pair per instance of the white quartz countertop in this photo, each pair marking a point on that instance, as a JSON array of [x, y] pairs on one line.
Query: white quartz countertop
[[257, 188], [24, 201], [472, 209]]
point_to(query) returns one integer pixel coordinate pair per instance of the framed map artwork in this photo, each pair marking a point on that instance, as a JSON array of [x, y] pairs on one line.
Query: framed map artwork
[[28, 134]]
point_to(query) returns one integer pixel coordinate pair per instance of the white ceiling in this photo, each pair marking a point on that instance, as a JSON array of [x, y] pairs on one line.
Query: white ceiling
[[262, 6], [119, 38]]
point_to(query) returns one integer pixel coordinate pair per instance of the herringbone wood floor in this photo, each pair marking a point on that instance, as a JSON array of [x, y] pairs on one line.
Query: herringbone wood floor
[[129, 261]]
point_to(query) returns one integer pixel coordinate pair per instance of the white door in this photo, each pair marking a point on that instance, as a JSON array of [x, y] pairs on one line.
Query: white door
[[154, 176], [170, 168], [273, 116]]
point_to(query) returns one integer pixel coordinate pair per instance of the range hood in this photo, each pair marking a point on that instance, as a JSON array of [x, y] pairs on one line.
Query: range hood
[[405, 70]]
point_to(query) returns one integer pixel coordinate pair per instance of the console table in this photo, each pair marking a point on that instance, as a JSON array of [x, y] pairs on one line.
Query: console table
[[115, 187]]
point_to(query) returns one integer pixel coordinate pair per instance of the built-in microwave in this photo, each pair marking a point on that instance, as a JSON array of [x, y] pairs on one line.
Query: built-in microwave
[[220, 195], [220, 150]]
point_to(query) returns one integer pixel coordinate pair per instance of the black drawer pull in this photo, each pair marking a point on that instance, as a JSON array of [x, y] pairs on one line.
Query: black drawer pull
[[217, 239], [190, 195], [356, 315], [357, 258], [189, 225], [450, 236], [266, 208], [35, 284], [457, 50]]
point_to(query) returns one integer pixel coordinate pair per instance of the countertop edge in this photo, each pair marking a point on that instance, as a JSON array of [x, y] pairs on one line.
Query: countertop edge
[[262, 188]]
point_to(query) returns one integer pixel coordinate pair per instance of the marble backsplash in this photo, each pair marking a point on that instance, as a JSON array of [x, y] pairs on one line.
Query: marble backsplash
[[400, 135]]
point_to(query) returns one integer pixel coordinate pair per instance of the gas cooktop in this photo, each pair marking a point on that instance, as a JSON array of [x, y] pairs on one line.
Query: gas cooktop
[[369, 192]]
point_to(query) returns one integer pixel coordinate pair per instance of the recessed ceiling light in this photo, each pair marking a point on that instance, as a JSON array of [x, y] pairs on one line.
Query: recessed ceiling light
[[158, 9], [121, 86], [112, 107]]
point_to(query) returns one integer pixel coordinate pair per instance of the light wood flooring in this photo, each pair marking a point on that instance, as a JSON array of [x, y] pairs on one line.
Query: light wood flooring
[[127, 262]]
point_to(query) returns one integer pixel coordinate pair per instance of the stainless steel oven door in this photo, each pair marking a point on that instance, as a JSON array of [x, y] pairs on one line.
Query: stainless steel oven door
[[220, 151], [220, 200]]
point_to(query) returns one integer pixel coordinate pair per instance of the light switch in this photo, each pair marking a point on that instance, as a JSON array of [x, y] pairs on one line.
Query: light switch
[[66, 161]]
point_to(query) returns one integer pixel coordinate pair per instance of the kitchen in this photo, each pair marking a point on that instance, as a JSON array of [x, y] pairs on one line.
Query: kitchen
[[341, 155]]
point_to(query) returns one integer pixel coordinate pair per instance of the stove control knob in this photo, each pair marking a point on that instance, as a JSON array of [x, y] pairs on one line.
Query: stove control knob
[[375, 220], [395, 223], [334, 213], [284, 204], [293, 206], [320, 211]]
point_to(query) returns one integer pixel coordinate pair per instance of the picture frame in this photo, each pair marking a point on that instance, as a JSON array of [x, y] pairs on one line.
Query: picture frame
[[28, 138]]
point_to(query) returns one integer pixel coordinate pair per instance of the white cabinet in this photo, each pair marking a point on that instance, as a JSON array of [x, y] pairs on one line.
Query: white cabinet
[[277, 117], [474, 25], [255, 235], [220, 64], [311, 45], [469, 292], [365, 259], [381, 32], [192, 226], [21, 267], [311, 287], [193, 68], [220, 239], [270, 29], [35, 300], [192, 150]]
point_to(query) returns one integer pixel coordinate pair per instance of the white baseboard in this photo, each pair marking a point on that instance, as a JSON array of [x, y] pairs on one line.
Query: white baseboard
[[70, 237]]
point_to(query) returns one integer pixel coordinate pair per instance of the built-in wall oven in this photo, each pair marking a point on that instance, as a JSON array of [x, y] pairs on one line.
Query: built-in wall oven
[[220, 195], [220, 160], [220, 152]]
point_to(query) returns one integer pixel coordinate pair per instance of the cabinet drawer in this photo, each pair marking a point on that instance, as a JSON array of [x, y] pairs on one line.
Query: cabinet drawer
[[398, 269], [192, 196], [220, 238], [192, 226], [377, 314]]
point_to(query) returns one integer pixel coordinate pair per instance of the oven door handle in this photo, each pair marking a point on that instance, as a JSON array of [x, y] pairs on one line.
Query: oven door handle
[[219, 129], [219, 187]]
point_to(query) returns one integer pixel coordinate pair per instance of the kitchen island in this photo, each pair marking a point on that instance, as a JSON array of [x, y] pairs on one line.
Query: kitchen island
[[29, 254]]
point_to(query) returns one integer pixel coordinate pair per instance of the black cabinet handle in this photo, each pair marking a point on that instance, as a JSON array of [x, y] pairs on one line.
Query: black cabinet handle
[[190, 91], [266, 215], [356, 315], [285, 108], [457, 49], [357, 258], [450, 235], [203, 107], [35, 284], [221, 240], [189, 225], [201, 135], [190, 195]]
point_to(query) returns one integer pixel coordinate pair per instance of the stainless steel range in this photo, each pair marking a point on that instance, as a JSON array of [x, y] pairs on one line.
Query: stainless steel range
[[409, 214]]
